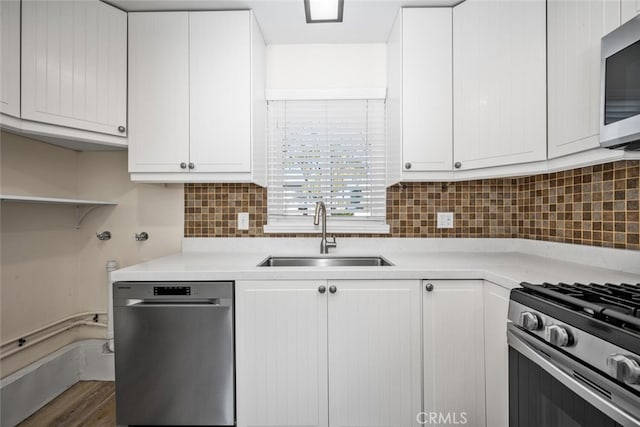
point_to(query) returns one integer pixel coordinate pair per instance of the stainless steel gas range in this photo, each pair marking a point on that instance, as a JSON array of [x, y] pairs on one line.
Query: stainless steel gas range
[[574, 355]]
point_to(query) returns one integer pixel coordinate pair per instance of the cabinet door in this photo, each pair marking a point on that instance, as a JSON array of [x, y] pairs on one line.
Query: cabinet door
[[10, 57], [496, 350], [427, 93], [281, 354], [220, 91], [499, 82], [158, 91], [374, 353], [74, 64], [629, 9], [574, 32], [454, 350]]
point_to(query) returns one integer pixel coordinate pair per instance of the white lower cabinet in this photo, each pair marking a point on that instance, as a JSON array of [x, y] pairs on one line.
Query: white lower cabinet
[[374, 353], [307, 356], [453, 348], [346, 353], [281, 353], [496, 351]]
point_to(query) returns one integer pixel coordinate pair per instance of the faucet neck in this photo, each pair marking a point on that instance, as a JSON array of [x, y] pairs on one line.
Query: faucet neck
[[320, 210]]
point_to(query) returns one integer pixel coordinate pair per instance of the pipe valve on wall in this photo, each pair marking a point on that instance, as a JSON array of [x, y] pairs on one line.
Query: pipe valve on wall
[[141, 237], [105, 235]]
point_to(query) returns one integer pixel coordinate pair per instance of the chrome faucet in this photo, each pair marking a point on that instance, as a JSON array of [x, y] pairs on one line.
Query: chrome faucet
[[324, 244]]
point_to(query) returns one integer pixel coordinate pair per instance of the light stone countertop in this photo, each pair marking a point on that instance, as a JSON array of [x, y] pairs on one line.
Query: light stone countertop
[[501, 261]]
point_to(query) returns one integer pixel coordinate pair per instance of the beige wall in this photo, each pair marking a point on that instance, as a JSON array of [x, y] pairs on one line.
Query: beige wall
[[50, 269], [326, 66]]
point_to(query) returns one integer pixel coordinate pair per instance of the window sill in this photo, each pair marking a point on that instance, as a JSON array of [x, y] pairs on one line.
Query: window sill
[[357, 228]]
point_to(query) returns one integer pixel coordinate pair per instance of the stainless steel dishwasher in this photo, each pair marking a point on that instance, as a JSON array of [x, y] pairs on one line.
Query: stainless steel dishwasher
[[174, 353]]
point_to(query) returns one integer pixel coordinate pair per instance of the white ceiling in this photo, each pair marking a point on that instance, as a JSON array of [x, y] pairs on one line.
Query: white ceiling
[[283, 21]]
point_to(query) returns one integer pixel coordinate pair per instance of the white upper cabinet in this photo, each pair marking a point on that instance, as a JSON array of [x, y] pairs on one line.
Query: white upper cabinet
[[453, 348], [499, 80], [158, 92], [196, 96], [220, 95], [420, 91], [629, 9], [574, 32], [374, 353], [10, 57], [74, 65]]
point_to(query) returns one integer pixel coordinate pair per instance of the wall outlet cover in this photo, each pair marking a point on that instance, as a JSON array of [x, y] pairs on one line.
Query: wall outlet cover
[[243, 220], [445, 220]]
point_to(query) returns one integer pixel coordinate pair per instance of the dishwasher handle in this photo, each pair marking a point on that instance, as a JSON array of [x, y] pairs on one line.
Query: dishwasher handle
[[208, 303]]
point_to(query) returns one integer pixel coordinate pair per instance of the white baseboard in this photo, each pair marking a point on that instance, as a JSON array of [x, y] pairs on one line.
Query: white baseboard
[[27, 390]]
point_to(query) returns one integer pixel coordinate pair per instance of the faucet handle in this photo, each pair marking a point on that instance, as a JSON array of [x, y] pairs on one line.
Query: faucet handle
[[332, 243]]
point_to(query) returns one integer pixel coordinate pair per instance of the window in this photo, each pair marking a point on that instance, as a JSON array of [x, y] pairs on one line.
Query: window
[[331, 151]]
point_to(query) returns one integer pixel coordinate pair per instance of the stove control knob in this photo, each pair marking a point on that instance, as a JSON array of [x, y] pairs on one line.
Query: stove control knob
[[557, 335], [624, 368], [530, 321]]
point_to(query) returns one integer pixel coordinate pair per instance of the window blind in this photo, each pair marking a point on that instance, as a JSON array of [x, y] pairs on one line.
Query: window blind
[[332, 151]]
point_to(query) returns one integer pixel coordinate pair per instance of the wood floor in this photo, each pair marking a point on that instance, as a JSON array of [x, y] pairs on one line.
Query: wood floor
[[87, 403]]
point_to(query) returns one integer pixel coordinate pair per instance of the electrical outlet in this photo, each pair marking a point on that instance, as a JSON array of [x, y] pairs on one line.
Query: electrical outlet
[[445, 219], [243, 220]]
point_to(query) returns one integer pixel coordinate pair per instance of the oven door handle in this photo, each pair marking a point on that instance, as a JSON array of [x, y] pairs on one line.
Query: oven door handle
[[559, 367]]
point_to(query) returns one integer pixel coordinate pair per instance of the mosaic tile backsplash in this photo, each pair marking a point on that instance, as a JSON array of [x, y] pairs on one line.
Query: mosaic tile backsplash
[[596, 205]]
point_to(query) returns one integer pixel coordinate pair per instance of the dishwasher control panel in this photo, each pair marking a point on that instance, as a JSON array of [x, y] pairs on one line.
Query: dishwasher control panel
[[125, 292], [172, 290]]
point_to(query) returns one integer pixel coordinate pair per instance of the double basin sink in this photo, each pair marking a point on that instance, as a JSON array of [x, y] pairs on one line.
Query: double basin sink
[[351, 261]]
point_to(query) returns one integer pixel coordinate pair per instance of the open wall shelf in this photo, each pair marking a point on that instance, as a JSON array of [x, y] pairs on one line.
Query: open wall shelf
[[83, 207]]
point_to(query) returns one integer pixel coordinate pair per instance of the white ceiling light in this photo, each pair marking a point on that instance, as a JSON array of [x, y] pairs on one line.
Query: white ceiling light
[[318, 11]]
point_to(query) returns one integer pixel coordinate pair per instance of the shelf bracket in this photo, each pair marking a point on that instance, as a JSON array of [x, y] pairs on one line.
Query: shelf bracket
[[82, 212]]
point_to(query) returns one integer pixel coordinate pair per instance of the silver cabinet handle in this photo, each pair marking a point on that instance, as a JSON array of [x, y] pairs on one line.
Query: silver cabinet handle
[[458, 165], [121, 129], [407, 165], [183, 165], [428, 287], [322, 289], [333, 289], [191, 165]]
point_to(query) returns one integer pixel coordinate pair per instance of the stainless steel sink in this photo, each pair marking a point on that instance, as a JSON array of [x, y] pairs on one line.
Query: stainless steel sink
[[275, 261]]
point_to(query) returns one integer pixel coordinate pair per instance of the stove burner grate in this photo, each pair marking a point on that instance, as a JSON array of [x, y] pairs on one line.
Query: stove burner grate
[[617, 304]]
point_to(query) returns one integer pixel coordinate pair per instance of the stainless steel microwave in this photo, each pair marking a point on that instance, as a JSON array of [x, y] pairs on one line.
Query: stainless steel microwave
[[620, 87]]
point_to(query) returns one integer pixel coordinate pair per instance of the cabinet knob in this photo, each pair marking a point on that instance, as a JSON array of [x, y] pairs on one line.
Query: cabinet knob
[[322, 289], [428, 287], [458, 165], [191, 165], [333, 289], [183, 165], [407, 165], [121, 129]]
